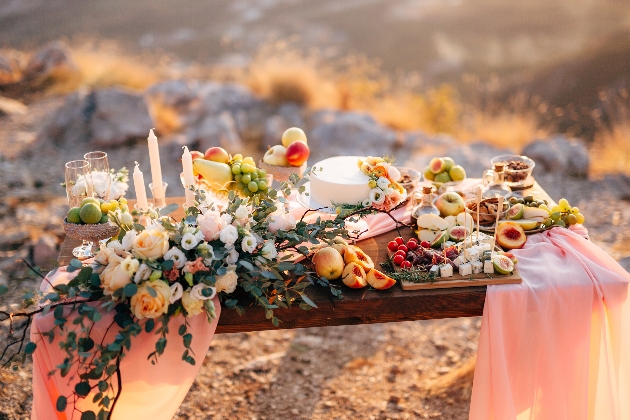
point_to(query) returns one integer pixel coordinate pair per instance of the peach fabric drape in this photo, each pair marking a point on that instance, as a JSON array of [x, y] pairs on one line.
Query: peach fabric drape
[[149, 391], [557, 346]]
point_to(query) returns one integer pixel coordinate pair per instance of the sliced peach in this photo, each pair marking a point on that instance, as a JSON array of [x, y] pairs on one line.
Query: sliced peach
[[355, 254], [340, 245], [379, 281], [354, 276]]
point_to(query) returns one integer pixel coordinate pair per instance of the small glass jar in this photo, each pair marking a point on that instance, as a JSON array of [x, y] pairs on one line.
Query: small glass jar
[[494, 184], [423, 203]]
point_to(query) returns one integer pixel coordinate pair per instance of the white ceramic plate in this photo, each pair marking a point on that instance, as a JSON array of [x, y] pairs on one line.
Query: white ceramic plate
[[306, 201]]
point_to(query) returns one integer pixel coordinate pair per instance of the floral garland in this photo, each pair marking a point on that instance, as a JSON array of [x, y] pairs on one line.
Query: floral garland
[[151, 274], [385, 192]]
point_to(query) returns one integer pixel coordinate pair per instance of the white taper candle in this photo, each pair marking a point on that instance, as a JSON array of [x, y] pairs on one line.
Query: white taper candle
[[189, 177], [141, 192], [156, 168]]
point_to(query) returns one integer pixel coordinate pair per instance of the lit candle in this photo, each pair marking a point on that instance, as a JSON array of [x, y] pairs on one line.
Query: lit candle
[[156, 169], [189, 177], [141, 192]]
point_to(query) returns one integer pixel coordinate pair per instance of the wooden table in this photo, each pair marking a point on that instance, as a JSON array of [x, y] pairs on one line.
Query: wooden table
[[360, 306]]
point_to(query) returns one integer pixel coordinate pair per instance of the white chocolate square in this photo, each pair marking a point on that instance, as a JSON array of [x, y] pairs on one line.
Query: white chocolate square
[[446, 270], [488, 267], [465, 269], [477, 267]]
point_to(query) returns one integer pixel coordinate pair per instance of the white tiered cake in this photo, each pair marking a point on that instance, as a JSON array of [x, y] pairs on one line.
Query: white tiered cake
[[340, 181]]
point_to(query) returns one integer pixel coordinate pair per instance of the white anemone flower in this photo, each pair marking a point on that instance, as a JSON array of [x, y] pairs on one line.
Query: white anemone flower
[[382, 182], [377, 196], [177, 256]]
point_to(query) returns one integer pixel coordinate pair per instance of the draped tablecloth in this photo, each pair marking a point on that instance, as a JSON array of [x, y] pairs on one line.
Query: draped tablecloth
[[556, 346], [149, 391]]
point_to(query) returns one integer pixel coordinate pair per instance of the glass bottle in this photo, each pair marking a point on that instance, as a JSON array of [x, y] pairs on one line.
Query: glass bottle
[[494, 183], [424, 203]]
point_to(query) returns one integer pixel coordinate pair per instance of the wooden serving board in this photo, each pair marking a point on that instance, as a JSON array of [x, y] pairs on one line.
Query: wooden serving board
[[480, 279]]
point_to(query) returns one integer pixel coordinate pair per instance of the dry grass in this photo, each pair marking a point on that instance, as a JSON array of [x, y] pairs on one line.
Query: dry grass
[[610, 151], [104, 65]]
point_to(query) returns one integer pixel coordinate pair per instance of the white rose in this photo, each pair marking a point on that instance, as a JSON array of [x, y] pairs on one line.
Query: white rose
[[177, 256], [127, 240], [193, 306], [382, 183], [229, 235], [394, 173], [249, 244], [377, 196], [143, 273], [232, 257], [176, 292], [189, 241], [197, 291], [241, 212], [115, 246], [226, 283], [269, 250]]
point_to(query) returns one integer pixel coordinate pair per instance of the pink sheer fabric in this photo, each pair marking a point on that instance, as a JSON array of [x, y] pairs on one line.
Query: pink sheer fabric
[[557, 346], [149, 391], [376, 224]]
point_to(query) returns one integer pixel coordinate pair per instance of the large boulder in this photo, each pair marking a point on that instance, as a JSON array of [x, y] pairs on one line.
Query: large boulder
[[176, 104], [54, 61], [348, 133], [12, 64], [559, 155], [216, 130], [101, 118]]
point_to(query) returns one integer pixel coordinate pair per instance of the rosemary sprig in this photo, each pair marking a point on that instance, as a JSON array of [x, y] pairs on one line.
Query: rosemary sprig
[[413, 275]]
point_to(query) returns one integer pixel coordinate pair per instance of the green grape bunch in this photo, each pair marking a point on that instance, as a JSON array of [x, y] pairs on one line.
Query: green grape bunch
[[249, 179]]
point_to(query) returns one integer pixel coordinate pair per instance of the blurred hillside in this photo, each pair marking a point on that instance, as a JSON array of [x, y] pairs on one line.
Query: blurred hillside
[[438, 39]]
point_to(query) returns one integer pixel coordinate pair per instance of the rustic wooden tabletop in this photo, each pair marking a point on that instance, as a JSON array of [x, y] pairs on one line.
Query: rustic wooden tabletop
[[360, 306]]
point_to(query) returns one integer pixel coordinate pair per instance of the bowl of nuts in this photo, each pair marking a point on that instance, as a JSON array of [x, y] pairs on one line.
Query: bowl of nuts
[[409, 179], [488, 209], [517, 169]]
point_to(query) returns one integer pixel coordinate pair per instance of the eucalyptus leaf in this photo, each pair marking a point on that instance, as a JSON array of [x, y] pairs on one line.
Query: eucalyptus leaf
[[165, 211], [309, 301], [62, 403]]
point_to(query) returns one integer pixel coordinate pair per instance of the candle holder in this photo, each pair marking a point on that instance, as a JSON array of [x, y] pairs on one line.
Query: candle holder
[[144, 218], [159, 201]]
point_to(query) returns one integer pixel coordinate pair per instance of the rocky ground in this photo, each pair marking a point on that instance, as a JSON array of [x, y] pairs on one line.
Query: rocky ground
[[409, 370]]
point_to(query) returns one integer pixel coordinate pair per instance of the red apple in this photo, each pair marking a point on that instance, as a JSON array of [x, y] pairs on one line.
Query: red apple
[[297, 153], [217, 154], [196, 154]]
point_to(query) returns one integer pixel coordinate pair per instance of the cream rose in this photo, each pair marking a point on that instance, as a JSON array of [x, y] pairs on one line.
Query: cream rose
[[151, 243], [118, 273], [211, 224], [143, 305], [227, 282], [102, 257], [193, 306], [115, 246]]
